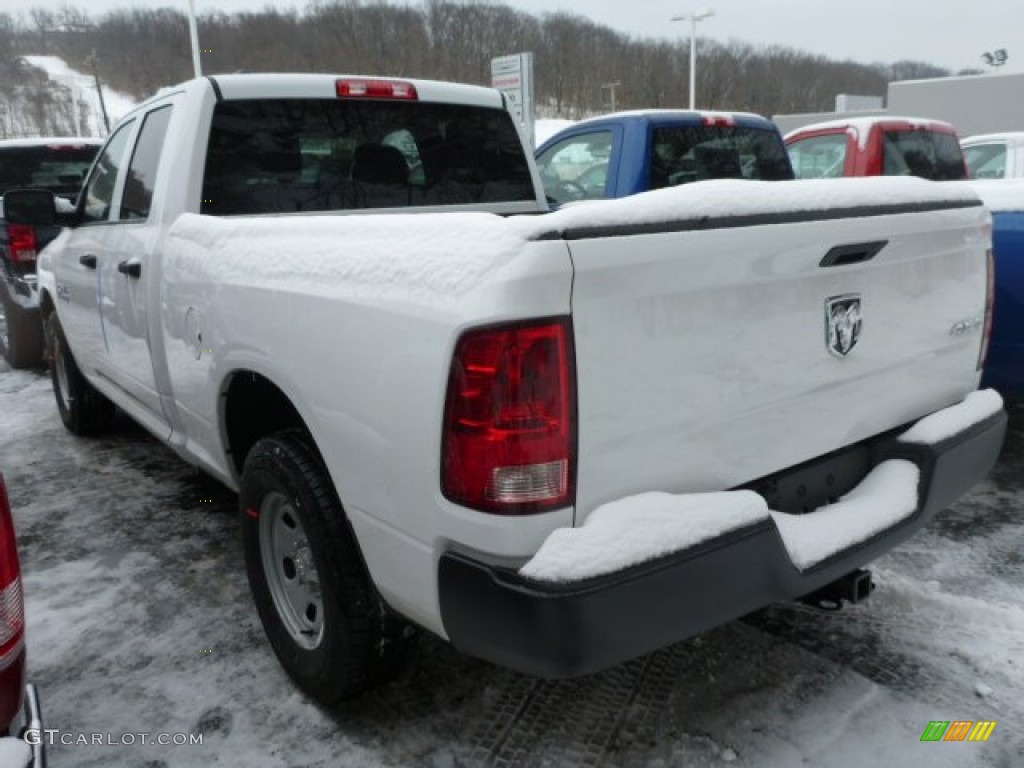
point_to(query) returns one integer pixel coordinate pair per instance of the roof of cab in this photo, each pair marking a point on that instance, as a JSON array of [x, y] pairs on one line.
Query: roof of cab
[[324, 86], [864, 124], [666, 115]]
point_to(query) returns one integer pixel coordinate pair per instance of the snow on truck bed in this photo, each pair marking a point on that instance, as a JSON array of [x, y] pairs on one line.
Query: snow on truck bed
[[445, 254], [421, 254], [724, 198], [999, 195]]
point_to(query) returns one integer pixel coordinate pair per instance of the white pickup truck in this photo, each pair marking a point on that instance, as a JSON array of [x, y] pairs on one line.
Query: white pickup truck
[[559, 440]]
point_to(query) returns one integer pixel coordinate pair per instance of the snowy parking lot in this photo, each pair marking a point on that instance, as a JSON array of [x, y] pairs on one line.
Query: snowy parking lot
[[140, 622]]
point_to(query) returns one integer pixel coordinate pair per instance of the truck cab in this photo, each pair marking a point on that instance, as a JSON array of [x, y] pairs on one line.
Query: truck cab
[[877, 146], [627, 153], [994, 155]]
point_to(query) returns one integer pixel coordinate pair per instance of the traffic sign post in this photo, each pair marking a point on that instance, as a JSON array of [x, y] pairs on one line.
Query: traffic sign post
[[513, 76]]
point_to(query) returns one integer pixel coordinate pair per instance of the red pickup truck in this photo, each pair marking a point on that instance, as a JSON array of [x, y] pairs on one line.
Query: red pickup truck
[[877, 146], [27, 751]]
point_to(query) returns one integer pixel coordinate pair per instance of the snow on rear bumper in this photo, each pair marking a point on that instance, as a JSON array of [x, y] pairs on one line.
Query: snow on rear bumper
[[575, 626]]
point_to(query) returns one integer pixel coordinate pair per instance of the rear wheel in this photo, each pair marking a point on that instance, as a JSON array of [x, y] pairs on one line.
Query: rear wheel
[[21, 334], [83, 409], [322, 615]]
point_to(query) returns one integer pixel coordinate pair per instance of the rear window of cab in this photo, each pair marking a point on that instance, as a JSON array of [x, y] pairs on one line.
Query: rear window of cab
[[920, 152]]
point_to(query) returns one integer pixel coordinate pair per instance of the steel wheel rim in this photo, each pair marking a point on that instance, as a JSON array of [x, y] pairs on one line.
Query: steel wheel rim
[[290, 571]]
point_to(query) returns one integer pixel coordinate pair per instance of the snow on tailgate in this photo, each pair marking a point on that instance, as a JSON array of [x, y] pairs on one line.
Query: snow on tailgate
[[723, 198], [425, 255]]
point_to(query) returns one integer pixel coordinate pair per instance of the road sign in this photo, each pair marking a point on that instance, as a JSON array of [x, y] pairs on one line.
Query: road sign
[[513, 76]]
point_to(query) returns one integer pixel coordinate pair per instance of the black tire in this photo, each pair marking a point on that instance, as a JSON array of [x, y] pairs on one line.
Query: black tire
[[349, 641], [83, 409], [21, 340]]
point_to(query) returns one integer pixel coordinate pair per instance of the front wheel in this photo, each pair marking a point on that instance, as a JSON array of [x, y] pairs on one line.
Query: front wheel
[[321, 613], [83, 409]]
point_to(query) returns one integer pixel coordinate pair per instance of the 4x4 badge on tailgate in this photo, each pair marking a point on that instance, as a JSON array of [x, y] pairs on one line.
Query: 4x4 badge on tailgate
[[842, 323]]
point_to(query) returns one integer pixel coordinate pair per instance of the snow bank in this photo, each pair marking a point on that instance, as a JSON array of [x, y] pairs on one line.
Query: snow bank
[[1000, 195], [975, 408], [440, 255], [731, 197], [885, 497], [638, 529]]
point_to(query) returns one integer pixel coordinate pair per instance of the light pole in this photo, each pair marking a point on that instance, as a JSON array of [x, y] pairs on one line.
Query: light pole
[[194, 35], [611, 87], [693, 18]]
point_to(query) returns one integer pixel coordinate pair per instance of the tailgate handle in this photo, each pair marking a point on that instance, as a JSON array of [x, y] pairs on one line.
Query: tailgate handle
[[854, 253], [88, 260]]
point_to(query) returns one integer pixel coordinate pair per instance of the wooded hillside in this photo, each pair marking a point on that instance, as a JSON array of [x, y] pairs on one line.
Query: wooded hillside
[[138, 51]]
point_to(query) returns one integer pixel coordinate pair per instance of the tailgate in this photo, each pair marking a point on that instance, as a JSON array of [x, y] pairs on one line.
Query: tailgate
[[705, 358]]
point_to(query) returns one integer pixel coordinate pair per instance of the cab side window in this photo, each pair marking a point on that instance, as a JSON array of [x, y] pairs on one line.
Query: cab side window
[[986, 161], [141, 176], [819, 157], [99, 189], [576, 168]]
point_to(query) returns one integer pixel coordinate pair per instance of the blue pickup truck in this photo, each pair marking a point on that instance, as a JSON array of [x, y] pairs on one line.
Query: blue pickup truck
[[625, 153], [1004, 368]]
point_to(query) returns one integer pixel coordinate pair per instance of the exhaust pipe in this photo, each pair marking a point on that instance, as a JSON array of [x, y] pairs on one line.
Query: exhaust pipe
[[854, 587]]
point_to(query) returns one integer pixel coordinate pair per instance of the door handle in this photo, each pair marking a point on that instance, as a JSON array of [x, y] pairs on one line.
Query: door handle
[[131, 268], [88, 260], [854, 253]]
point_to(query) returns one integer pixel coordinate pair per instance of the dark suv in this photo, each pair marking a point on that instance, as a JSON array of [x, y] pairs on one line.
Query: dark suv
[[57, 165]]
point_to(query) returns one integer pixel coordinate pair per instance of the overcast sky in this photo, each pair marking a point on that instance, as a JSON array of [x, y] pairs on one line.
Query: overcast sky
[[947, 33]]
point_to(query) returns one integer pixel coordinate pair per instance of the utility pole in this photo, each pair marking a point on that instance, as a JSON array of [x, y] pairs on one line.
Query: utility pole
[[193, 32], [99, 89], [611, 87], [693, 18]]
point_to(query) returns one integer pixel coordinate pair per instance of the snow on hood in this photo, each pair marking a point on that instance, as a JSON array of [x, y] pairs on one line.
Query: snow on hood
[[721, 198], [430, 255]]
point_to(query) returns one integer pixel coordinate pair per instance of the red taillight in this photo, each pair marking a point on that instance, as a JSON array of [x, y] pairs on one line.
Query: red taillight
[[990, 303], [509, 439], [376, 89], [12, 608], [23, 242]]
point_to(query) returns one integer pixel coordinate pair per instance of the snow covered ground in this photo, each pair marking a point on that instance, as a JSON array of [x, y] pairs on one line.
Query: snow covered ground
[[140, 621], [83, 91]]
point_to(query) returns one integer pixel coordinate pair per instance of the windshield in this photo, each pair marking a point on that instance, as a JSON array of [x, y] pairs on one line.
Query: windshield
[[60, 169]]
